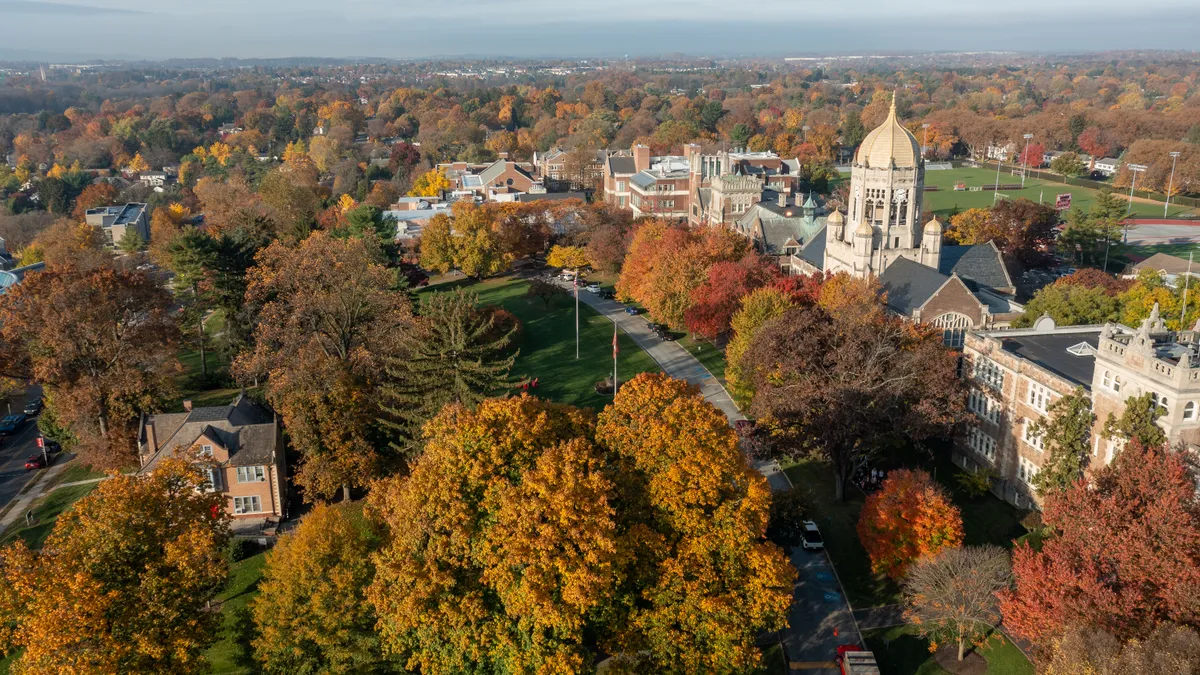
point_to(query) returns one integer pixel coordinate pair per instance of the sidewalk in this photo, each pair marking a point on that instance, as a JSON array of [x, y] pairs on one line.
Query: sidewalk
[[20, 505], [679, 363]]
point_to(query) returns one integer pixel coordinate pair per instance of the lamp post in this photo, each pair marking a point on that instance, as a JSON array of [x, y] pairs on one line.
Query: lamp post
[[1135, 169], [924, 139], [1025, 159], [1171, 183]]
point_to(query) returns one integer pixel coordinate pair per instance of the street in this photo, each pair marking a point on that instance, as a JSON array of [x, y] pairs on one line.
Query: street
[[14, 450]]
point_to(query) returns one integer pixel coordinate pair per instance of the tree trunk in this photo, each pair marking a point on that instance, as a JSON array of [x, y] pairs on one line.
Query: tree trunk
[[345, 493], [203, 356], [961, 645], [839, 487]]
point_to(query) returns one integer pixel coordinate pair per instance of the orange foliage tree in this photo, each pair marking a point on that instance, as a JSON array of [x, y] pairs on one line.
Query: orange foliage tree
[[908, 518]]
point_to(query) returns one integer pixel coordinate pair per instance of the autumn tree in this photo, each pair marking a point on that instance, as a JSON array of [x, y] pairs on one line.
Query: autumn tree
[[69, 244], [291, 202], [93, 196], [1137, 421], [756, 310], [909, 517], [1168, 650], [845, 384], [1066, 432], [311, 613], [454, 353], [103, 341], [543, 290], [1068, 164], [1123, 556], [951, 595], [131, 568], [466, 240], [432, 183], [714, 303], [567, 257], [329, 317], [1071, 305]]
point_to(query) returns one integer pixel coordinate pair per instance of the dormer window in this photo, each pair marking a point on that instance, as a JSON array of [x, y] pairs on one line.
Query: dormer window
[[206, 451]]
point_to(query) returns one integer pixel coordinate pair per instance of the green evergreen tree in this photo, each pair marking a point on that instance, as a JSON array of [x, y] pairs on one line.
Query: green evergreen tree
[[456, 353], [132, 241], [1066, 432], [192, 254], [853, 131], [1137, 422]]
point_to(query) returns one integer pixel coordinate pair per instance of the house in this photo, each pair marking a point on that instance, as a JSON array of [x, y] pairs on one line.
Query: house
[[1014, 376], [116, 220], [1170, 268], [154, 179], [1107, 166], [229, 128], [241, 447]]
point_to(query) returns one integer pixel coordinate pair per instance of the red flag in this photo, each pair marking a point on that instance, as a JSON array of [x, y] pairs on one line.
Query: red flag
[[615, 348]]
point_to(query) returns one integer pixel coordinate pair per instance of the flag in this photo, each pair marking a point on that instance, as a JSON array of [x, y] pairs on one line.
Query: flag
[[615, 348]]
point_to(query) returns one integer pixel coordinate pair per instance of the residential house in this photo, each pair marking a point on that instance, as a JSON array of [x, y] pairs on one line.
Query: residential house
[[117, 219], [154, 179], [1171, 268], [241, 447], [1107, 166]]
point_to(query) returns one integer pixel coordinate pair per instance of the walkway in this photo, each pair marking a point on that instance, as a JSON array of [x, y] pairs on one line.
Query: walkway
[[678, 363]]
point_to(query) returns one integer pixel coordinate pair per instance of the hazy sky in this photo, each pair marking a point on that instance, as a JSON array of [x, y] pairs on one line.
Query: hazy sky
[[410, 28]]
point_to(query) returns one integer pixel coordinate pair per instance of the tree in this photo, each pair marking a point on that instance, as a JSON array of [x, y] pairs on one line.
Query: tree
[[908, 518], [1170, 649], [131, 569], [853, 131], [715, 302], [92, 196], [757, 309], [1124, 554], [567, 257], [1137, 421], [132, 241], [952, 594], [430, 184], [290, 201], [311, 613], [844, 386], [330, 315], [453, 354], [1071, 305], [970, 227], [1031, 154], [68, 244], [543, 290], [1068, 164], [1066, 432], [103, 341], [192, 254], [466, 240]]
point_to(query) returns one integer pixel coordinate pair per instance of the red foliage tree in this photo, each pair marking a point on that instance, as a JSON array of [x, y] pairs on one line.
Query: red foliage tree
[[714, 303], [1090, 277], [1031, 154], [908, 518], [804, 289], [1095, 142], [1124, 554]]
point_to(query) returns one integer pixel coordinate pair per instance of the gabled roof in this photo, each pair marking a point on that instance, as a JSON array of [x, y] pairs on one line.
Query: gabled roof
[[244, 429], [622, 165], [1169, 264], [498, 168], [981, 264], [813, 252], [910, 284]]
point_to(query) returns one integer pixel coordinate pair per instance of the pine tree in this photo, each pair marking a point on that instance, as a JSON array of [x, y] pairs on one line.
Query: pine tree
[[1066, 432], [132, 241], [1137, 422], [456, 354]]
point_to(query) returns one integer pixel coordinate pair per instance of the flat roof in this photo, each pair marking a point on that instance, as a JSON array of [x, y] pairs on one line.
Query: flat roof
[[1049, 350]]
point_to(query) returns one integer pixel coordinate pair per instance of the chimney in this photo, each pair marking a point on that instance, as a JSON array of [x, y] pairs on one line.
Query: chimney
[[641, 157], [187, 406], [782, 199], [502, 155]]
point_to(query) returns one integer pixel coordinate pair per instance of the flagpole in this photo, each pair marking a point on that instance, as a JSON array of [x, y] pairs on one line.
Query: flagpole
[[576, 284], [614, 358], [1186, 280]]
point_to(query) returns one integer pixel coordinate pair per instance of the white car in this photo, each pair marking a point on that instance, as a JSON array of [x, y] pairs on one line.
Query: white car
[[812, 537], [567, 276], [592, 288]]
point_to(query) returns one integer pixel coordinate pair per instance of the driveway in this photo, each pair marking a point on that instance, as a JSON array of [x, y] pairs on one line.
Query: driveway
[[820, 618]]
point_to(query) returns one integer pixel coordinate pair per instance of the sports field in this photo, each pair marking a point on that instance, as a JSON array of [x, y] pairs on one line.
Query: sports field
[[944, 200]]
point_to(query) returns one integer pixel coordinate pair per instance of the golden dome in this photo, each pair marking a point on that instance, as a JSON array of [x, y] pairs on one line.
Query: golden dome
[[933, 227], [864, 230], [889, 142], [836, 218]]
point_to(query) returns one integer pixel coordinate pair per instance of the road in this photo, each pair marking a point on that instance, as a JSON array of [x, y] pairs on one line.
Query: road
[[14, 450]]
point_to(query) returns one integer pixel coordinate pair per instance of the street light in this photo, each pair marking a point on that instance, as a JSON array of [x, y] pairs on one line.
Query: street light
[[1171, 184], [924, 139], [1135, 169], [1025, 159]]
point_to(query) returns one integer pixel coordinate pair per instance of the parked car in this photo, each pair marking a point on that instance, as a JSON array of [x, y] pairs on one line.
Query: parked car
[[812, 537], [567, 276], [632, 310], [665, 334], [35, 462], [592, 288], [10, 424], [606, 294], [854, 660], [33, 407]]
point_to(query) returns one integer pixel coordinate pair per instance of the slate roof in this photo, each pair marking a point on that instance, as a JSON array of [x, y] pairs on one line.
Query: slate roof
[[1050, 352], [622, 165], [769, 222], [813, 252], [243, 428], [1163, 262], [979, 265], [910, 284], [551, 196], [498, 168]]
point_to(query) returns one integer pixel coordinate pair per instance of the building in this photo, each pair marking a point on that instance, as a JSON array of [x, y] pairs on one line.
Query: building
[[1107, 166], [12, 277], [1013, 377], [241, 447], [781, 228], [555, 170], [955, 288], [116, 220], [153, 179], [1170, 268]]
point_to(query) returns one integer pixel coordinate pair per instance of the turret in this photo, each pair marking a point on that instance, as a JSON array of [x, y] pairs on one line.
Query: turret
[[837, 226], [862, 246], [931, 244]]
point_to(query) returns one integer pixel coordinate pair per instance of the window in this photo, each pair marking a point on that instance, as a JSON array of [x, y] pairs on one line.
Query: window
[[1116, 383], [621, 201], [982, 443], [620, 186], [897, 242], [984, 406], [1189, 410], [1026, 470], [247, 504], [989, 373], [1031, 439], [1106, 380], [251, 474], [214, 478], [206, 451], [1039, 397]]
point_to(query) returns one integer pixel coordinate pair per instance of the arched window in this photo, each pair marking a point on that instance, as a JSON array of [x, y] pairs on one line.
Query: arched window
[[1117, 383], [1189, 410], [954, 328]]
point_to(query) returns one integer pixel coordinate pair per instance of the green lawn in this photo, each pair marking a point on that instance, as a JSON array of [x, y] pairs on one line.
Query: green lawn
[[547, 343], [707, 353], [241, 589], [943, 201], [46, 512], [900, 652], [986, 520]]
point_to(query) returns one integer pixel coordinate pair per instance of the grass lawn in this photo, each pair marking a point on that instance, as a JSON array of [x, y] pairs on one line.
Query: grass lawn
[[46, 510], [899, 652], [707, 353], [241, 589], [547, 343], [946, 199], [986, 520], [773, 662]]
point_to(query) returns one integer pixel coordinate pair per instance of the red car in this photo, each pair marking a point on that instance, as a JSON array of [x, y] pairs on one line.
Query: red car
[[35, 462]]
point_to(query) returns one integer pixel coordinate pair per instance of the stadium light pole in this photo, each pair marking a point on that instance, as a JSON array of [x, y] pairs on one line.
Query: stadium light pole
[[1171, 183], [996, 187], [1135, 169], [1025, 159], [924, 139]]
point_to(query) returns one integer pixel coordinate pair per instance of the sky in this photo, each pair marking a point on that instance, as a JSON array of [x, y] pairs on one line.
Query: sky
[[122, 29]]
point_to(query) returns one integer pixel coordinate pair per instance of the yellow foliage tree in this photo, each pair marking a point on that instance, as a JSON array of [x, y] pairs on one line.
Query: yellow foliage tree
[[567, 257], [137, 164], [346, 203], [430, 184]]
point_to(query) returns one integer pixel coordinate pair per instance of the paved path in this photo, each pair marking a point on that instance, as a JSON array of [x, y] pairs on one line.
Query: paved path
[[22, 503], [820, 618], [677, 362]]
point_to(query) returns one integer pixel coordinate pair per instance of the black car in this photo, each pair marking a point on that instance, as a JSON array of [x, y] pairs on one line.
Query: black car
[[606, 294], [34, 407], [665, 334]]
